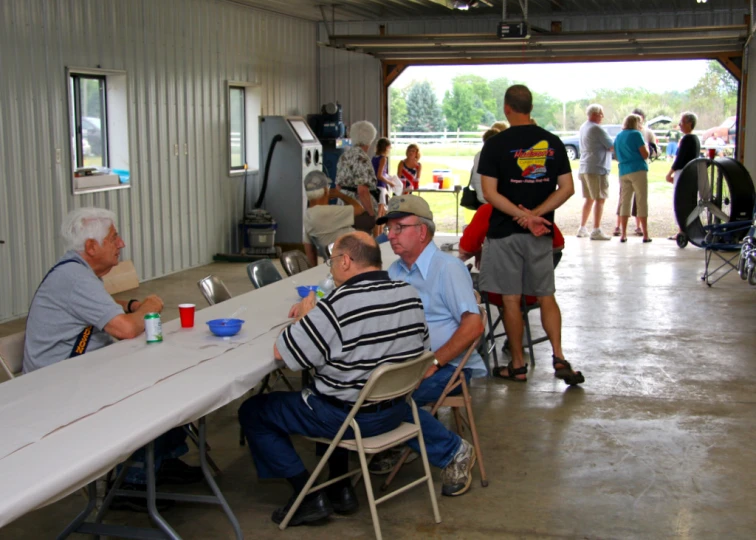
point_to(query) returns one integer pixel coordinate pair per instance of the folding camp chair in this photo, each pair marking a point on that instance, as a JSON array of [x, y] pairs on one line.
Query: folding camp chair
[[387, 382]]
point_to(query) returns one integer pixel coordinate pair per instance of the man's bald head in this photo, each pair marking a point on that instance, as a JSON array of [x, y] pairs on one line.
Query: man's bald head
[[361, 248]]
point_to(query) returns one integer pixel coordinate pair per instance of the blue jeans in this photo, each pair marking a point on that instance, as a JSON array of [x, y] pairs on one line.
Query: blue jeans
[[269, 419], [439, 441], [171, 444]]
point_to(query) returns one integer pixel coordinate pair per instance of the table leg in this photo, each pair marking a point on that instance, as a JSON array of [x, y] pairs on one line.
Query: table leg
[[151, 505], [211, 482], [456, 227], [83, 515]]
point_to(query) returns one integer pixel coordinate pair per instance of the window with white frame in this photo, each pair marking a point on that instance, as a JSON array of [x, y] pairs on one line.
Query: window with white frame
[[98, 119], [243, 126]]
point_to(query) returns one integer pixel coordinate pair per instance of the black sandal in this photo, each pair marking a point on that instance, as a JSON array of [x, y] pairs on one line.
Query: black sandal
[[512, 373], [565, 372]]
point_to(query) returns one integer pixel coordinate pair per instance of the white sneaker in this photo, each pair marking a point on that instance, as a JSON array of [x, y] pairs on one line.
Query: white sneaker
[[598, 235], [582, 232]]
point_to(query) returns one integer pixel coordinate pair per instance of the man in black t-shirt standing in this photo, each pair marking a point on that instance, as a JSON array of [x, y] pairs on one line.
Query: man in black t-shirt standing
[[525, 176]]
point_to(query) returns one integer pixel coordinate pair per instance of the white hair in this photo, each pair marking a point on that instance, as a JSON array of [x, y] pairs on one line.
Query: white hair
[[315, 194], [593, 108], [362, 133], [429, 224], [85, 223]]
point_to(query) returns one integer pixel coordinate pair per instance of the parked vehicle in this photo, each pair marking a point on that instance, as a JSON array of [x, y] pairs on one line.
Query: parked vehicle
[[90, 130], [725, 131], [572, 143]]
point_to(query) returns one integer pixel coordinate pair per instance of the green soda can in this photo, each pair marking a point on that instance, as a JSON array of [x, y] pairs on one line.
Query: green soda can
[[153, 328]]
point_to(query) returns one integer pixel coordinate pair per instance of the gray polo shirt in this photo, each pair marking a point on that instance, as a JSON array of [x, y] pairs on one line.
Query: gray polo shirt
[[595, 157], [368, 321], [71, 298]]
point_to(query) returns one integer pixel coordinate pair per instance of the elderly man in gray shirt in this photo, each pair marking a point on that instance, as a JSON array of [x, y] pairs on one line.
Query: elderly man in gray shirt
[[72, 313], [595, 163]]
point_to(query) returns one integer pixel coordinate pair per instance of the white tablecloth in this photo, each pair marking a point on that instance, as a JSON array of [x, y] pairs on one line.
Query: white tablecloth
[[65, 425]]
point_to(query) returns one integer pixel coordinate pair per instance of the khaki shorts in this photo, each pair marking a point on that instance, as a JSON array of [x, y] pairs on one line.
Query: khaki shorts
[[518, 264], [637, 183], [595, 186]]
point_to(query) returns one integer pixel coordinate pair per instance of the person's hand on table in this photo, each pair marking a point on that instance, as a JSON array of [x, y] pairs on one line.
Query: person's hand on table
[[152, 304], [299, 310]]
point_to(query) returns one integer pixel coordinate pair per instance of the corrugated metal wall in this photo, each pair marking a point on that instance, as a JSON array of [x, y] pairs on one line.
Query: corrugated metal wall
[[178, 55], [354, 78]]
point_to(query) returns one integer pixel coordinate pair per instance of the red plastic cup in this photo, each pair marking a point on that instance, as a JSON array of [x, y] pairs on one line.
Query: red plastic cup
[[186, 312], [712, 153]]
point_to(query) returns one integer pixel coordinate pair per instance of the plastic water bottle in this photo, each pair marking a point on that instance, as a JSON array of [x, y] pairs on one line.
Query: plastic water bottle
[[326, 286]]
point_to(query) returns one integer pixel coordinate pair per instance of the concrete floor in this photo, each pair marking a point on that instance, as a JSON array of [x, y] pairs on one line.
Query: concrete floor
[[656, 444]]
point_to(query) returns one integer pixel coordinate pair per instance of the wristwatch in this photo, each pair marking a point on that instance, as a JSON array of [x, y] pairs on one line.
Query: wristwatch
[[437, 363]]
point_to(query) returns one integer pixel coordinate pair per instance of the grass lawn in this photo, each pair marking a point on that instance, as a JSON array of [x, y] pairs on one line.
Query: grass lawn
[[661, 215]]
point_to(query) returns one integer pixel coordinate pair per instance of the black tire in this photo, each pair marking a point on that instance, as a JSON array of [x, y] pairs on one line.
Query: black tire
[[752, 276], [572, 152], [742, 272], [681, 240]]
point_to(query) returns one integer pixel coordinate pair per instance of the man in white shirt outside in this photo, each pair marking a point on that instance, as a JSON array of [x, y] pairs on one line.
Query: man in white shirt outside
[[595, 163]]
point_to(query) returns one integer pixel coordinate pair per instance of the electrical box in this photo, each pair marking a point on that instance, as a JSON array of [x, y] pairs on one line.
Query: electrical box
[[513, 30]]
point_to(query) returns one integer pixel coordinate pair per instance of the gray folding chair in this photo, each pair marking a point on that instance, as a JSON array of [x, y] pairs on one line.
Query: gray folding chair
[[12, 354], [213, 289], [294, 262], [320, 248], [388, 381], [262, 273]]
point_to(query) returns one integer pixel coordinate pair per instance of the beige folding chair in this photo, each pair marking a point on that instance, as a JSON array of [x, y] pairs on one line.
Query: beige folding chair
[[389, 381], [456, 402], [12, 354]]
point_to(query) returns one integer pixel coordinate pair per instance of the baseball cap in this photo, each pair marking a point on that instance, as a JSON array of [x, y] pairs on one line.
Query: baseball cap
[[406, 205], [315, 180]]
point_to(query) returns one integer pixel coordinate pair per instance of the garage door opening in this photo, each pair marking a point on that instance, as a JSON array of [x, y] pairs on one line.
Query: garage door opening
[[446, 109]]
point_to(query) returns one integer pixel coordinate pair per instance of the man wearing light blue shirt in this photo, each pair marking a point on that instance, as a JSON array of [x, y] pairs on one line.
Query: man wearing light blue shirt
[[445, 287], [595, 164]]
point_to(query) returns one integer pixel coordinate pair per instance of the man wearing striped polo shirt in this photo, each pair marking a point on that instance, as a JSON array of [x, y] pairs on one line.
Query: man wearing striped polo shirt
[[368, 320]]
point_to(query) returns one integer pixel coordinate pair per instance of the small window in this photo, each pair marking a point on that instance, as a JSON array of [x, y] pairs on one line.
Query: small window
[[98, 118], [244, 106], [237, 125], [89, 120]]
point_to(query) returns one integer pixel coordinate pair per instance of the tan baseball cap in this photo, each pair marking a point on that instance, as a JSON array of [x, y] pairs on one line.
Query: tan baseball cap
[[406, 205]]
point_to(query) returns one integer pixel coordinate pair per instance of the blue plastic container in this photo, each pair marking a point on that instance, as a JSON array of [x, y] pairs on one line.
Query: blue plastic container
[[123, 174], [304, 290], [225, 327]]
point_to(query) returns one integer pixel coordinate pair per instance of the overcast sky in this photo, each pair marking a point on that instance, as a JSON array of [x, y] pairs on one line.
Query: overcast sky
[[571, 81]]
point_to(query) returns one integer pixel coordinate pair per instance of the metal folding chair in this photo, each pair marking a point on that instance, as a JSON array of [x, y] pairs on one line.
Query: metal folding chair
[[294, 262], [262, 273], [457, 403], [388, 381], [213, 289]]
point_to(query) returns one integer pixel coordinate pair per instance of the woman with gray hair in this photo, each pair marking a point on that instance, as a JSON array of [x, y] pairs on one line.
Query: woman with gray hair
[[632, 152], [355, 175]]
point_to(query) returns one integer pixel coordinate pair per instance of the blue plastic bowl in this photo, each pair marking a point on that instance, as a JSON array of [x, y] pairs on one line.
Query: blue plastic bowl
[[304, 290], [225, 327]]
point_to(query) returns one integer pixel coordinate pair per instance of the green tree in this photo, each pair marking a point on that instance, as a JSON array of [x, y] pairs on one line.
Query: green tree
[[460, 109], [498, 88], [397, 108], [423, 110], [715, 95]]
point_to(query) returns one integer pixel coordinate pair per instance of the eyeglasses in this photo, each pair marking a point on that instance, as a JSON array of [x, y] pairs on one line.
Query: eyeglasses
[[397, 228], [329, 262]]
